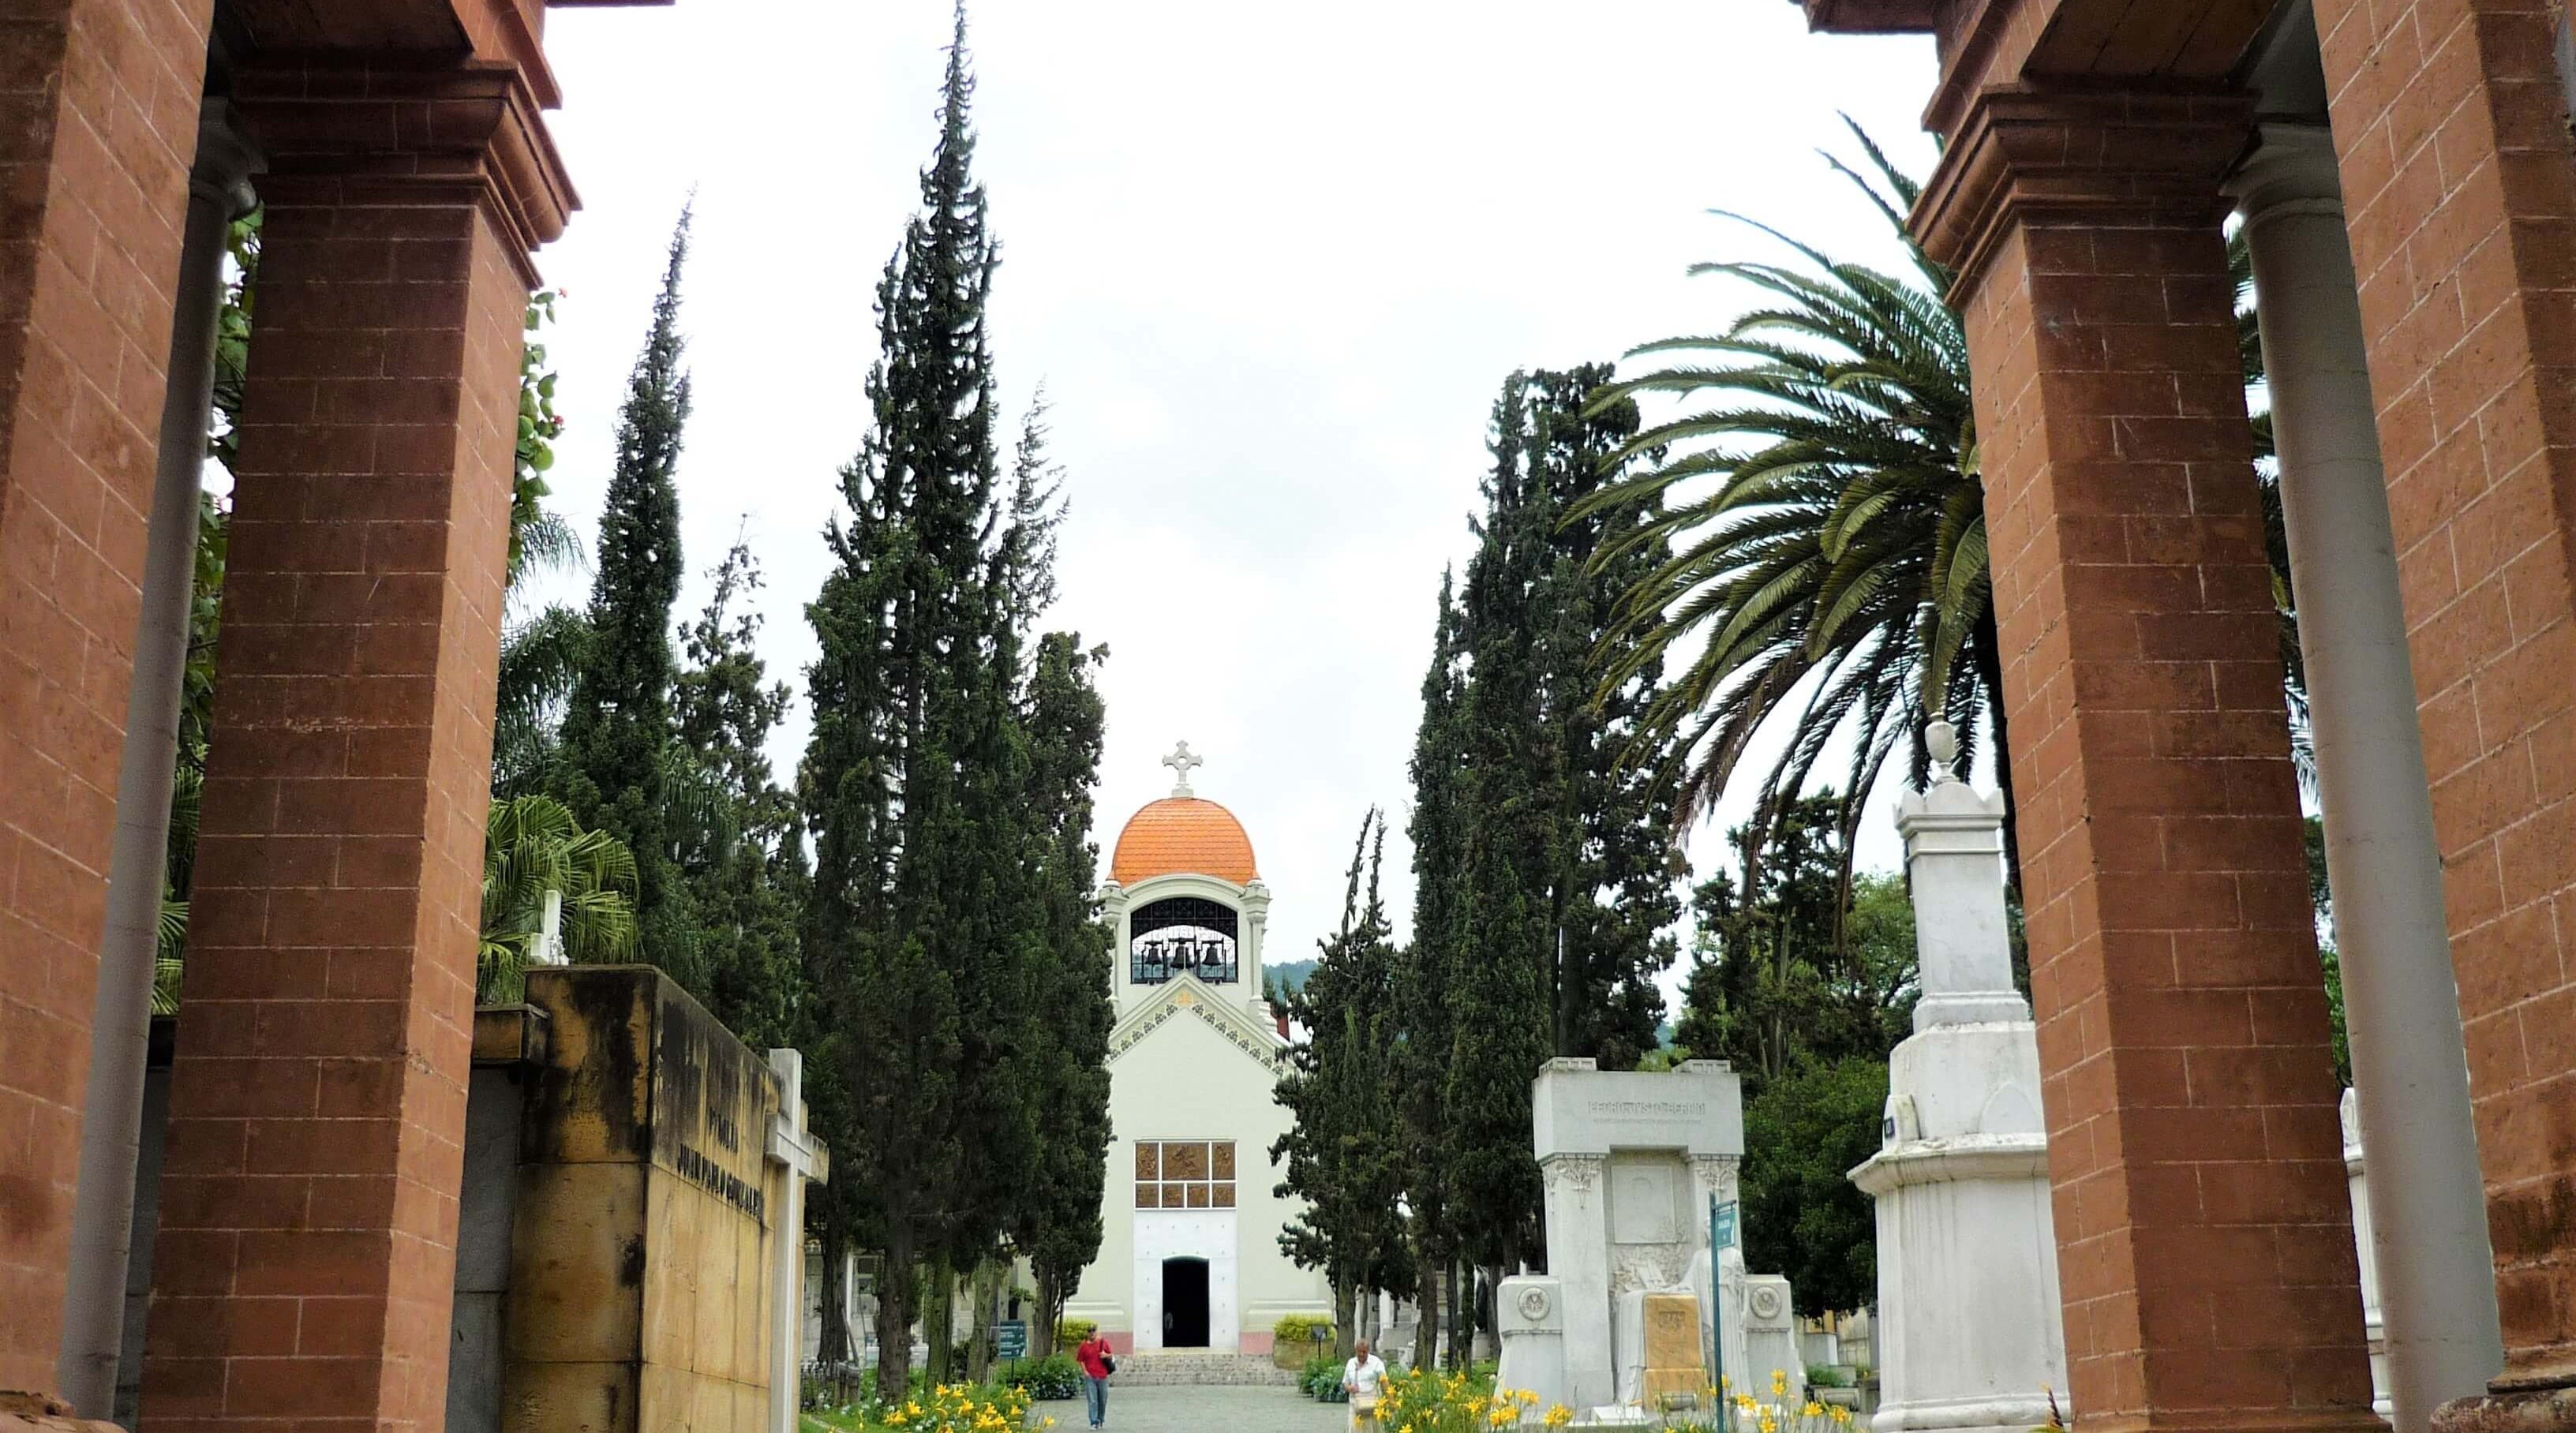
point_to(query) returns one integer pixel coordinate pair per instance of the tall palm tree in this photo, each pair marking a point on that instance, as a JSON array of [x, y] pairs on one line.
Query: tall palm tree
[[1829, 549], [1828, 537]]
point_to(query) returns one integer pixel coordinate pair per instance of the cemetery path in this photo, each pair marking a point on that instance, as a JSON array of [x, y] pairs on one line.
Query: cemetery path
[[1198, 1409]]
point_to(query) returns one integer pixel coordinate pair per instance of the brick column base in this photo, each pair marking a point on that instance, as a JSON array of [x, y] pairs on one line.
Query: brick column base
[[2546, 1410], [42, 1413]]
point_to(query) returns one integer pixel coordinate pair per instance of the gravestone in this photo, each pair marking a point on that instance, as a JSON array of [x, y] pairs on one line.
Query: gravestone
[[1969, 1331], [1676, 1359], [1530, 1317]]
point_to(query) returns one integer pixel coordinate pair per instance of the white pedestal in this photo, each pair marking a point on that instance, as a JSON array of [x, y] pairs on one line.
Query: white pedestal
[[1969, 1333], [1970, 1337]]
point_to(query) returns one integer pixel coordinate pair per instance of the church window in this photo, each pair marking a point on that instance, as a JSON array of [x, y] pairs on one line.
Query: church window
[[1183, 933], [1185, 1174]]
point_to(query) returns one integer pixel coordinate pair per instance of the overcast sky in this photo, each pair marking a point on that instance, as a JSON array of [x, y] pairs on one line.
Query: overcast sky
[[1271, 264]]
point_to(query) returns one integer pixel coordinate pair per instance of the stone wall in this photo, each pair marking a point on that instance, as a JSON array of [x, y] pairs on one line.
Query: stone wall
[[640, 1255]]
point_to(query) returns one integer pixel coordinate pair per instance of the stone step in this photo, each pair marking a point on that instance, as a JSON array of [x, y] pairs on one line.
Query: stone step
[[1164, 1368]]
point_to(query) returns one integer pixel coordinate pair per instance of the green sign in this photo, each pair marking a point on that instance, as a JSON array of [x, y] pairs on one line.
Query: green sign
[[1721, 1235], [1014, 1336]]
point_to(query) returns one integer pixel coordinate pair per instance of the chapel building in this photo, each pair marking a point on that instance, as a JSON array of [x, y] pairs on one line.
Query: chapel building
[[1189, 1255]]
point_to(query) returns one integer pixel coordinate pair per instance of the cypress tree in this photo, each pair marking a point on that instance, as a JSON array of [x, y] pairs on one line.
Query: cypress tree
[[1345, 1152], [1425, 967], [1545, 881], [742, 858], [1059, 1226], [910, 766], [1500, 1018], [615, 763], [1615, 885]]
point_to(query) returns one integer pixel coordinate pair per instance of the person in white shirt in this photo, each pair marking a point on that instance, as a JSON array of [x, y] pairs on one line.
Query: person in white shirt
[[1361, 1379]]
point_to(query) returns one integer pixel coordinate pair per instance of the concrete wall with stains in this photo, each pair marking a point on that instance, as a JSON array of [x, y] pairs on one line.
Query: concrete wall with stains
[[640, 1263]]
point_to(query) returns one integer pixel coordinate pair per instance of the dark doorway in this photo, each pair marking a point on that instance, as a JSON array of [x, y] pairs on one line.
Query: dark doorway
[[1185, 1303]]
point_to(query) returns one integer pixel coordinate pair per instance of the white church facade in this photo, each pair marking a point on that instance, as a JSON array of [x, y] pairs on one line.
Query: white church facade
[[1189, 1257]]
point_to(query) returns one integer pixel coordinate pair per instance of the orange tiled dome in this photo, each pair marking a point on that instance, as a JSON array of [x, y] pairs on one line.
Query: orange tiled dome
[[1182, 834]]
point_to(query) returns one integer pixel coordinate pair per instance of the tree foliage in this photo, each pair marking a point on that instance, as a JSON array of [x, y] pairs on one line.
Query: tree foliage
[[1426, 967], [946, 787], [1798, 966], [1344, 1155], [1827, 526], [533, 848], [615, 761], [1804, 1131], [743, 856], [1059, 1226], [1822, 500], [1546, 880]]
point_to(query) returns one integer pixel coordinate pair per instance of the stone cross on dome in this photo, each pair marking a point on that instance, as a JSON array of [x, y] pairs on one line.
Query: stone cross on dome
[[1180, 761]]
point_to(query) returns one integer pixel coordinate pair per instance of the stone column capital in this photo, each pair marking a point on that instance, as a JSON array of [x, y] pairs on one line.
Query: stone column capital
[[2144, 157], [1715, 1176], [394, 131], [226, 160], [2291, 171], [1578, 1173]]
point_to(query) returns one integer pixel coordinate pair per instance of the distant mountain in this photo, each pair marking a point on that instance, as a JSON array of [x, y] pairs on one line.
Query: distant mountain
[[1287, 974]]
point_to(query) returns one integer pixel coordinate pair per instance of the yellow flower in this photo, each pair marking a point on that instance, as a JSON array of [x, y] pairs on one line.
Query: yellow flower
[[1558, 1415], [1779, 1383], [1813, 1409], [1528, 1399]]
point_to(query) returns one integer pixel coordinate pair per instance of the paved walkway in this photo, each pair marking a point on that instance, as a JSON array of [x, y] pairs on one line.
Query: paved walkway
[[1202, 1409]]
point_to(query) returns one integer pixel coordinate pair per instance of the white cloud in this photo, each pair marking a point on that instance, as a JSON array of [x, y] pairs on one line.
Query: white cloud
[[1271, 263]]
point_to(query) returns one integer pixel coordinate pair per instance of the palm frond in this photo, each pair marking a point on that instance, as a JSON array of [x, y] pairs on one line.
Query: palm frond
[[1823, 517]]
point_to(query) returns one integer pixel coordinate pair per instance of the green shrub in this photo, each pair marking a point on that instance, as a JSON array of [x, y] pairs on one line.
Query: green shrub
[[1053, 1377], [1298, 1330], [1069, 1332], [1322, 1380]]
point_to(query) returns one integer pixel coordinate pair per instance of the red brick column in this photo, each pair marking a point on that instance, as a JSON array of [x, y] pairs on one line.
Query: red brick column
[[2461, 185], [308, 1206], [98, 122], [2205, 1238]]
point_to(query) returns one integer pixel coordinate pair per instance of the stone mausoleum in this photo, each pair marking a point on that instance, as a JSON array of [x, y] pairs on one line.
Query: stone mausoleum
[[1189, 1257]]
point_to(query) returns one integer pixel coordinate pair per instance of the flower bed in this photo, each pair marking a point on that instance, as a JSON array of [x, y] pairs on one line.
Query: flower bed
[[1430, 1402]]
